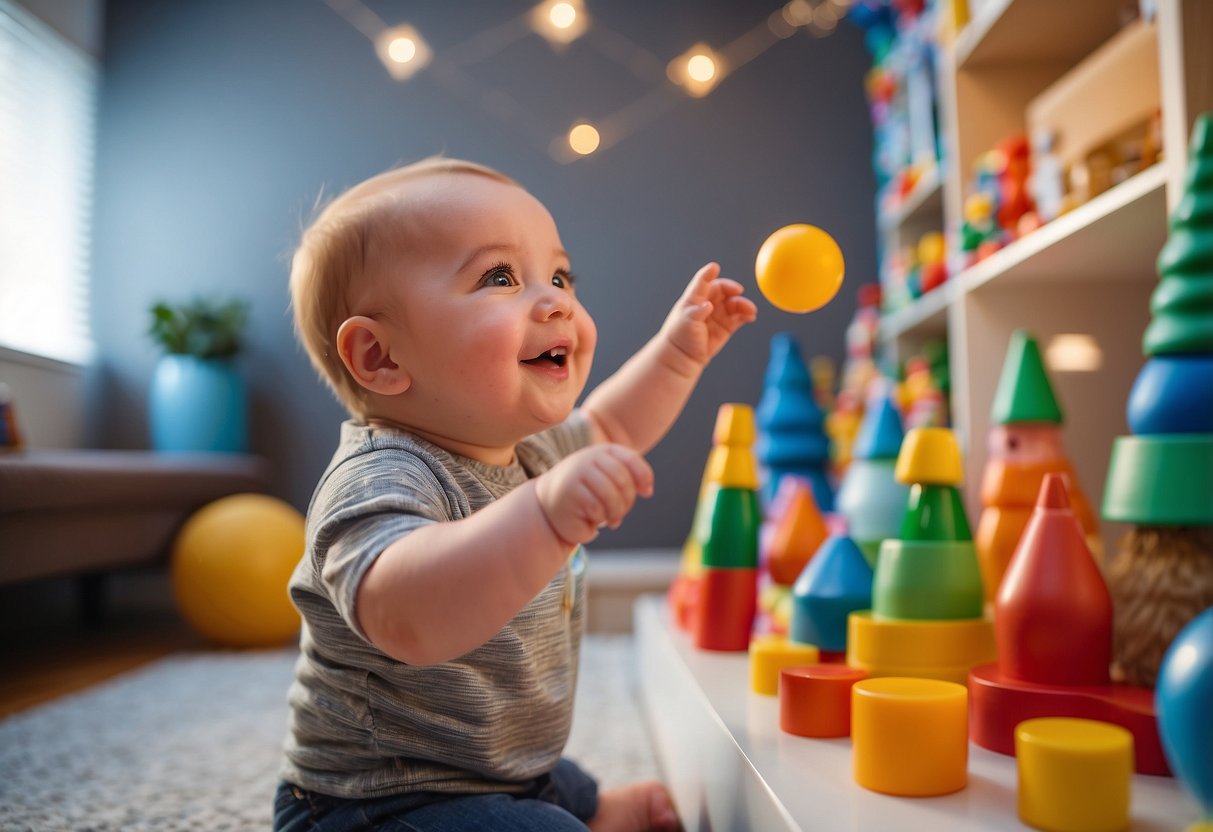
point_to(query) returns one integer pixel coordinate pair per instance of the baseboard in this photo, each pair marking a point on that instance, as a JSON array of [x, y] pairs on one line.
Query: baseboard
[[617, 577]]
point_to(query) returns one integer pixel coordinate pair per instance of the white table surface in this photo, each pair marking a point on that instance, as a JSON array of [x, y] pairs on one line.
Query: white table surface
[[730, 767]]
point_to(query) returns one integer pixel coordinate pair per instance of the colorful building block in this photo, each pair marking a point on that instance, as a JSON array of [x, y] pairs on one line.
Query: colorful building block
[[771, 653], [870, 497], [1161, 478], [1023, 448], [1074, 774], [791, 423], [727, 595], [1053, 622], [835, 583], [910, 736], [927, 602], [815, 700], [1053, 587]]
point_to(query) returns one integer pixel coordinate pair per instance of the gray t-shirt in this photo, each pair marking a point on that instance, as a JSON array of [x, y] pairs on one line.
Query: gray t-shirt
[[364, 724]]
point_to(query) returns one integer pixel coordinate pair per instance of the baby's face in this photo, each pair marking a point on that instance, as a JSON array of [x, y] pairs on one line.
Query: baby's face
[[484, 315]]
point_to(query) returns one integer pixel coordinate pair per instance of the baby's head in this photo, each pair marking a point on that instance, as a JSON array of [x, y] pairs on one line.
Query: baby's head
[[438, 296]]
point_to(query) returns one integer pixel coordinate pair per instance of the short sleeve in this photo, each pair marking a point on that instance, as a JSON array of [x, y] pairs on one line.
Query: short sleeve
[[368, 503]]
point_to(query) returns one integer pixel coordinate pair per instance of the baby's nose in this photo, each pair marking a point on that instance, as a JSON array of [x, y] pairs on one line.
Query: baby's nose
[[553, 302]]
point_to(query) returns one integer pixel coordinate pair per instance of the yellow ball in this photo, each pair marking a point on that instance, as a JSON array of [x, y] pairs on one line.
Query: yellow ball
[[231, 563], [799, 268]]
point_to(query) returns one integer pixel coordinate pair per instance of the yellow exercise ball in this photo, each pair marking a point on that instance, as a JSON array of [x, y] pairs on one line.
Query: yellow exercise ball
[[799, 268], [231, 563]]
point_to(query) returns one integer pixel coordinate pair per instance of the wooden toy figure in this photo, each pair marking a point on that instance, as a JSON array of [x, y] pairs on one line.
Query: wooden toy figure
[[728, 536], [1014, 198], [1024, 447], [870, 497], [1160, 479], [1053, 624], [792, 436], [1047, 180], [926, 618]]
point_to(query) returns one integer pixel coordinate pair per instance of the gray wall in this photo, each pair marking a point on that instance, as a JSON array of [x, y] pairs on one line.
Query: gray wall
[[221, 121]]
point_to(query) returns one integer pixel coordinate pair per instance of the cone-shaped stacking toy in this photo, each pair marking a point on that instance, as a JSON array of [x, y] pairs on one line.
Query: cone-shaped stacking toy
[[1053, 586], [684, 590], [792, 438], [1185, 718], [1053, 623], [870, 497], [728, 536], [835, 583], [926, 617], [1161, 478], [1024, 447], [797, 531]]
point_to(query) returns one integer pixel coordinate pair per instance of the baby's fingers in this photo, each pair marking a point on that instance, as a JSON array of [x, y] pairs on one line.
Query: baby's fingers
[[637, 468]]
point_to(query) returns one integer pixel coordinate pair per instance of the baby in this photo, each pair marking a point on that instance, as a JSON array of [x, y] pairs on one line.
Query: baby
[[441, 589]]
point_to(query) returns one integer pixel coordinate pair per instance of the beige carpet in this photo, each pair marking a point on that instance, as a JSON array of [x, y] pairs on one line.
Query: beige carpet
[[192, 742]]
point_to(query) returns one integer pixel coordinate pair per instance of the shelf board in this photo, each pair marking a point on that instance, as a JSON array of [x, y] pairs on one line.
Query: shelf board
[[925, 201], [927, 314], [1036, 31], [1115, 236]]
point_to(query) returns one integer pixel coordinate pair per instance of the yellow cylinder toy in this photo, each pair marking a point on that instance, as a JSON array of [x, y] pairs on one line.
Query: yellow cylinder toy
[[910, 736], [1074, 774]]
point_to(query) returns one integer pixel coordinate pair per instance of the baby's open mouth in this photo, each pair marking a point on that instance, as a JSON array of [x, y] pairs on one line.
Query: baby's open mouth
[[555, 356]]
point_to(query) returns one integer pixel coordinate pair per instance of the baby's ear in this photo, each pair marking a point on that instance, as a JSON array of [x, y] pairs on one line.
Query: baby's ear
[[365, 349]]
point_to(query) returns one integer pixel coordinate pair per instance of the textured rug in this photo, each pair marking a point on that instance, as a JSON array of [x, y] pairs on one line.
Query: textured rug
[[192, 742]]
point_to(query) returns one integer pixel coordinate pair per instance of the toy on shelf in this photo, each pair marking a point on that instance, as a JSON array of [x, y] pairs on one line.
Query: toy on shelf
[[1160, 479], [1185, 720], [799, 268], [1074, 774], [728, 536], [841, 426], [926, 618], [979, 236], [922, 401], [1024, 447], [932, 258], [792, 533], [1053, 623], [815, 700], [771, 653], [791, 425], [909, 736], [870, 497], [834, 584], [1047, 182], [683, 594], [1014, 200], [822, 372]]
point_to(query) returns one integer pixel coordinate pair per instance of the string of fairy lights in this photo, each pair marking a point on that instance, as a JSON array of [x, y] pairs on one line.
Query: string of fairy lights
[[694, 73]]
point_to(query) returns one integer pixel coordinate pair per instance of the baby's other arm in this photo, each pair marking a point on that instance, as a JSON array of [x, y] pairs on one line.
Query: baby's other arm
[[638, 404], [447, 588]]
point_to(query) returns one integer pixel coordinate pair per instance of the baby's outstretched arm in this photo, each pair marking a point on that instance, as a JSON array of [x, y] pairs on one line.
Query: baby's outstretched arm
[[447, 588], [639, 403]]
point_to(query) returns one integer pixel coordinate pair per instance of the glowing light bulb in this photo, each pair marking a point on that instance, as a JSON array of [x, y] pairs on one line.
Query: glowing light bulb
[[584, 139], [402, 50], [562, 15], [701, 68]]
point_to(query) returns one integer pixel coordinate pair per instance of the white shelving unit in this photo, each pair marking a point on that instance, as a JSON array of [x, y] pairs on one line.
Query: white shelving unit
[[730, 767], [1090, 271]]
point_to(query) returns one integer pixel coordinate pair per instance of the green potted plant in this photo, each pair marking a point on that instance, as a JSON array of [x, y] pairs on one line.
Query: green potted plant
[[197, 400]]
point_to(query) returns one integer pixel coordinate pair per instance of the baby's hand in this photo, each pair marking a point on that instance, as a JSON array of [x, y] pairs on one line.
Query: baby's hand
[[594, 487], [708, 313]]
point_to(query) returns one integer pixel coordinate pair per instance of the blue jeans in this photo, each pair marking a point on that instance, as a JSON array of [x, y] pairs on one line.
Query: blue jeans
[[560, 801]]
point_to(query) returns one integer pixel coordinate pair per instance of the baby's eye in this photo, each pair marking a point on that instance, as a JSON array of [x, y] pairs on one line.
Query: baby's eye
[[562, 279], [499, 276]]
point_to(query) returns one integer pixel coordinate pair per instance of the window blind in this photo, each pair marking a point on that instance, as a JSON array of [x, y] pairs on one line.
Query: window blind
[[48, 93]]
